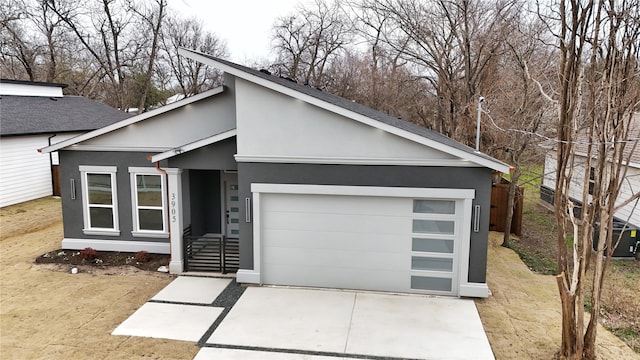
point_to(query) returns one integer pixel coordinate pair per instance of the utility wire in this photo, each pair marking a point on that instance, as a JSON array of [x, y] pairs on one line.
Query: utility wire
[[631, 140]]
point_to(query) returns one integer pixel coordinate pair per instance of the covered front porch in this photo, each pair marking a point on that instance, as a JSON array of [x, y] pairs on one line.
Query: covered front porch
[[203, 206]]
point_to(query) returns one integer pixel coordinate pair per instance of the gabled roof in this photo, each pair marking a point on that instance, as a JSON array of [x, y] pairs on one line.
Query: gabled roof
[[29, 115], [132, 120], [351, 110]]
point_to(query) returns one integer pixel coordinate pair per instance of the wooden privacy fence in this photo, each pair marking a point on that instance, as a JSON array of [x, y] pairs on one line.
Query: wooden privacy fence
[[498, 213]]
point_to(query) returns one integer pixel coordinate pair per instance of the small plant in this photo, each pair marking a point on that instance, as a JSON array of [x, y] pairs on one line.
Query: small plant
[[88, 254], [142, 256]]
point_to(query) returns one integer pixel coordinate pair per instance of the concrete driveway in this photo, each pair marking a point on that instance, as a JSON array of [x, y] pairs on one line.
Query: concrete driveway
[[230, 322]]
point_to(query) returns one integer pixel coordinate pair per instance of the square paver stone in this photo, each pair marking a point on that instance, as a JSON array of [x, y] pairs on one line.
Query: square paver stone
[[409, 326], [169, 321], [192, 290], [281, 318]]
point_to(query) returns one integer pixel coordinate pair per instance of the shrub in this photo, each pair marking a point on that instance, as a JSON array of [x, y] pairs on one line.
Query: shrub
[[88, 254], [142, 256]]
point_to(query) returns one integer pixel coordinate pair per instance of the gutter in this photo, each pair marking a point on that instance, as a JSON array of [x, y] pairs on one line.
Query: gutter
[[53, 182], [168, 215]]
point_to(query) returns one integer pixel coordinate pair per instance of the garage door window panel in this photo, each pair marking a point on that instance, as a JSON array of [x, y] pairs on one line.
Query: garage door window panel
[[431, 263], [443, 246], [434, 206], [431, 283], [427, 226]]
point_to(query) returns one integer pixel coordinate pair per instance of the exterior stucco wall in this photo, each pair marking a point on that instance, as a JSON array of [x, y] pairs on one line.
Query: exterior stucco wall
[[271, 124], [174, 128], [72, 208], [218, 156], [391, 176]]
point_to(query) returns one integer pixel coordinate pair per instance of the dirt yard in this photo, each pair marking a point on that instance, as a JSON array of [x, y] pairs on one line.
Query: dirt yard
[[522, 317], [46, 313]]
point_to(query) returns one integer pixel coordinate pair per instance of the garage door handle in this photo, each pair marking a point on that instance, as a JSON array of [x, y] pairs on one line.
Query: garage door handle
[[476, 219], [247, 210]]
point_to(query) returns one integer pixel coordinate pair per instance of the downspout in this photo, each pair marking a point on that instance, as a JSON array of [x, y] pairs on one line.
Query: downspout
[[53, 183], [166, 189]]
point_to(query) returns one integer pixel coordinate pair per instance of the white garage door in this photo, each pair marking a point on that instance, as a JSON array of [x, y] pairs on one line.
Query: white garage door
[[386, 243]]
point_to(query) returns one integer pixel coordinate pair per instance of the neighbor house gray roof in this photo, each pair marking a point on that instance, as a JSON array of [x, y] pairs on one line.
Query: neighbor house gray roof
[[28, 115], [354, 107]]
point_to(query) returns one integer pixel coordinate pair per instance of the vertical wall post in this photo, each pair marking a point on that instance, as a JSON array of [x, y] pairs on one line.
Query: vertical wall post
[[174, 182]]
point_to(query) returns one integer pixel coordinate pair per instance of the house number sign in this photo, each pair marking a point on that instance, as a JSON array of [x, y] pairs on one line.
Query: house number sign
[[174, 218]]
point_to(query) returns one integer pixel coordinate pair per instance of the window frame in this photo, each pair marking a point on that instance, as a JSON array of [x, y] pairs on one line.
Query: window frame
[[137, 232], [86, 170]]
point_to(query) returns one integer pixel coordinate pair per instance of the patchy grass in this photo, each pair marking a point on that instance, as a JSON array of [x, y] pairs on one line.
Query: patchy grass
[[620, 299]]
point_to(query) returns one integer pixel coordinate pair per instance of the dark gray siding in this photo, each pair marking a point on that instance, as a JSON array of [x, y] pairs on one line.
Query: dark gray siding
[[218, 156], [393, 176], [72, 209]]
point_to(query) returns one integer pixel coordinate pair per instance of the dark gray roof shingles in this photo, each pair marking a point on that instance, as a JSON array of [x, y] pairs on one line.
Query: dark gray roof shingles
[[29, 115], [356, 107]]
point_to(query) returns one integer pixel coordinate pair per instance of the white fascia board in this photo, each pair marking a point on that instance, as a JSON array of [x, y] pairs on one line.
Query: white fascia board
[[355, 161], [494, 165], [194, 145], [131, 120], [432, 193], [117, 148]]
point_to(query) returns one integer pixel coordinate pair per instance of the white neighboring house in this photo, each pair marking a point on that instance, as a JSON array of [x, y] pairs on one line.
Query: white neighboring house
[[34, 115], [631, 185]]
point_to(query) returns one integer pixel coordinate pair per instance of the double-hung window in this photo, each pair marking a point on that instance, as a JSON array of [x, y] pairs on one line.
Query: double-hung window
[[148, 196], [100, 200]]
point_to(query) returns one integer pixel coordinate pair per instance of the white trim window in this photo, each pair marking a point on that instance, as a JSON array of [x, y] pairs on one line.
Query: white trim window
[[100, 200], [149, 201]]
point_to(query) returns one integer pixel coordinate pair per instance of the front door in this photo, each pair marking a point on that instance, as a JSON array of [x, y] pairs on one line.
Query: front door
[[232, 205]]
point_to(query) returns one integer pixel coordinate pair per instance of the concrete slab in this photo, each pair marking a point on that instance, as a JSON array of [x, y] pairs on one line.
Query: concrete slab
[[192, 290], [356, 323], [302, 319], [169, 321], [388, 325], [208, 353]]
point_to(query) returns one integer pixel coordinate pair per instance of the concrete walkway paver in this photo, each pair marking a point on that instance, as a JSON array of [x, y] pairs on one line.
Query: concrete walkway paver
[[192, 290], [169, 321]]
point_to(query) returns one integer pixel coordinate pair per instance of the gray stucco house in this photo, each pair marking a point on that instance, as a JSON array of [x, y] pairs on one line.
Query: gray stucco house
[[319, 191]]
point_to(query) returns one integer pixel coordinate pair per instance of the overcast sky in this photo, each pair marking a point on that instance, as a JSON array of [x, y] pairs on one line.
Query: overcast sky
[[244, 24]]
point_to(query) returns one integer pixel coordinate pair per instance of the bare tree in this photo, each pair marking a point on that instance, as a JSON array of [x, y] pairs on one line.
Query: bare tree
[[454, 45], [308, 41], [190, 77], [518, 112], [105, 31], [153, 18], [597, 97]]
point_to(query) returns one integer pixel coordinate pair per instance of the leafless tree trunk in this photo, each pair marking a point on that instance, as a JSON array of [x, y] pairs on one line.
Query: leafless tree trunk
[[598, 96], [154, 18]]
